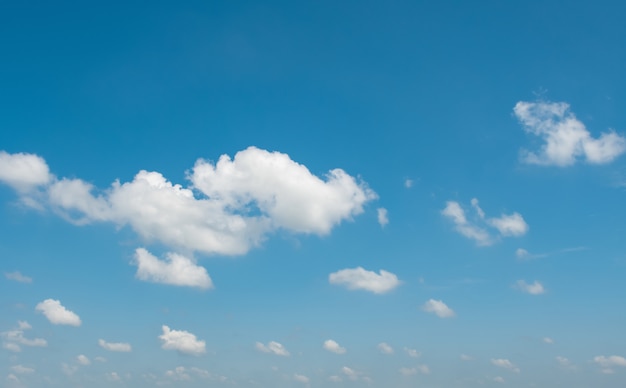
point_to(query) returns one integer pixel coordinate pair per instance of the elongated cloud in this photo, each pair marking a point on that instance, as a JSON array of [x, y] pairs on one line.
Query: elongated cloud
[[333, 347], [176, 270], [383, 218], [507, 225], [57, 314], [18, 277], [181, 341], [566, 139], [438, 308], [385, 348], [608, 363], [361, 279], [506, 364], [229, 207], [272, 347], [115, 346]]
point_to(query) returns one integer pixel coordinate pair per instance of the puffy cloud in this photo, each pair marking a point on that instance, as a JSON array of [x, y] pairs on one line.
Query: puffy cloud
[[229, 207], [412, 352], [384, 348], [383, 218], [507, 225], [23, 172], [610, 361], [57, 314], [361, 279], [566, 139], [301, 378], [176, 270], [20, 369], [12, 339], [535, 288], [115, 346], [182, 341], [272, 347], [18, 277], [438, 308], [334, 347], [83, 360], [504, 363], [113, 376]]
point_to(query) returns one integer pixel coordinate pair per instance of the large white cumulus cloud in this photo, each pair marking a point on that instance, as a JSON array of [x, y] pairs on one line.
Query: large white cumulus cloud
[[228, 209]]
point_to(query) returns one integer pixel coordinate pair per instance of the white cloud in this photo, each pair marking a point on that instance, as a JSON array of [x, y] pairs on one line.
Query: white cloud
[[350, 373], [176, 270], [465, 357], [507, 225], [57, 314], [68, 370], [272, 347], [438, 308], [499, 379], [334, 347], [548, 340], [335, 379], [182, 341], [383, 218], [23, 171], [100, 359], [384, 348], [228, 209], [20, 369], [535, 288], [521, 253], [408, 371], [422, 369], [566, 139], [301, 378], [609, 362], [564, 362], [408, 183], [83, 360], [412, 352], [12, 339], [115, 346], [510, 225], [361, 279], [113, 376], [13, 378], [18, 277], [506, 364]]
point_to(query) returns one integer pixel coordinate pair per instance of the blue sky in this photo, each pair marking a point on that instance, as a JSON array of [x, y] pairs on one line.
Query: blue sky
[[313, 194]]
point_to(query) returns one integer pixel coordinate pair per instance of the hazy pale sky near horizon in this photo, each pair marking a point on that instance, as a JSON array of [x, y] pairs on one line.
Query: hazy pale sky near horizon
[[313, 194]]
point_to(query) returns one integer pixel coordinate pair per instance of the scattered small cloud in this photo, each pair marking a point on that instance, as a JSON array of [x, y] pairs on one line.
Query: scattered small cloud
[[20, 369], [565, 363], [383, 218], [465, 357], [535, 288], [115, 346], [499, 379], [57, 314], [507, 225], [176, 270], [13, 340], [607, 363], [272, 347], [548, 340], [18, 277], [438, 308], [384, 348], [301, 378], [412, 352], [182, 341], [408, 371], [566, 139], [408, 183], [506, 364], [83, 360], [334, 347], [361, 279]]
